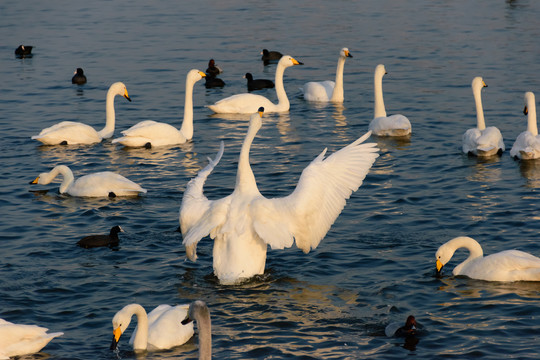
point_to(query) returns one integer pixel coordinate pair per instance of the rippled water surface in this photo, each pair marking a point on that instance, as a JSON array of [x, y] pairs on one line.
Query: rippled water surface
[[376, 264]]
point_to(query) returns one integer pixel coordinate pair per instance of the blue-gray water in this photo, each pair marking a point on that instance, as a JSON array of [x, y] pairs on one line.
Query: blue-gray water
[[376, 265]]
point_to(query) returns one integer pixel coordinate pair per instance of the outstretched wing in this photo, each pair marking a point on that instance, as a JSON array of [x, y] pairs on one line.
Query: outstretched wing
[[324, 186]]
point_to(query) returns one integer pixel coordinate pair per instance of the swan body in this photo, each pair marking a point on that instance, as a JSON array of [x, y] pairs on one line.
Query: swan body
[[100, 184], [198, 311], [508, 265], [70, 132], [328, 90], [150, 133], [527, 144], [244, 223], [481, 141], [161, 329], [382, 125], [249, 103], [18, 339]]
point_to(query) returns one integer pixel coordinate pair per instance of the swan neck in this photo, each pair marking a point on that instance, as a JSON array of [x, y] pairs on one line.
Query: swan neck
[[531, 118], [187, 123], [110, 117], [379, 102], [337, 94], [283, 100], [245, 179], [67, 175], [475, 250], [480, 122], [140, 342], [205, 335]]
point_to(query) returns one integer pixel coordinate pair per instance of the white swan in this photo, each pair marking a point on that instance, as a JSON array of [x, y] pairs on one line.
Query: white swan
[[198, 311], [328, 90], [509, 265], [161, 329], [100, 184], [382, 125], [249, 103], [481, 141], [527, 144], [153, 134], [244, 223], [18, 339], [70, 132]]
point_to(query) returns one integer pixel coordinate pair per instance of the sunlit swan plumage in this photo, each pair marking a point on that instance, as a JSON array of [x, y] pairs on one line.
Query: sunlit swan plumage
[[100, 184], [382, 125], [249, 103], [481, 141], [244, 223], [527, 144], [508, 265], [328, 90], [161, 329], [70, 132], [150, 133], [19, 339], [198, 311]]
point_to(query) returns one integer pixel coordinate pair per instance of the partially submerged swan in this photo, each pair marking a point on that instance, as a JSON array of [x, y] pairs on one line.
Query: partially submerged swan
[[527, 144], [244, 223], [19, 339]]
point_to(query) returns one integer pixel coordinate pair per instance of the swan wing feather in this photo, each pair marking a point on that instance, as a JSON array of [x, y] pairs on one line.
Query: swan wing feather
[[242, 104], [70, 131], [102, 183]]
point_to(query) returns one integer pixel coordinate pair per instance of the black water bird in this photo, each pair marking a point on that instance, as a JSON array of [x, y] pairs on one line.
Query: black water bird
[[23, 51], [258, 84], [79, 78], [211, 79], [93, 241], [270, 56]]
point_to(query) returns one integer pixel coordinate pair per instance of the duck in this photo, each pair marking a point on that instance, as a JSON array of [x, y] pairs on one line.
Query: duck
[[19, 339], [79, 78], [213, 69], [326, 91], [23, 51], [481, 141], [100, 184], [211, 79], [244, 223], [508, 265], [527, 144], [93, 241], [71, 133], [398, 329], [258, 84], [249, 103], [198, 311], [151, 133], [382, 125], [161, 329], [270, 56]]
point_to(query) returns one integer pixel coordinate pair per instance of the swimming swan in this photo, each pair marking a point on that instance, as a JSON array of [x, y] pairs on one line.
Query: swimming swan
[[249, 103], [509, 265], [244, 223], [481, 141], [70, 132], [150, 133], [328, 90], [100, 184], [382, 125], [527, 144], [161, 329], [18, 339], [198, 311]]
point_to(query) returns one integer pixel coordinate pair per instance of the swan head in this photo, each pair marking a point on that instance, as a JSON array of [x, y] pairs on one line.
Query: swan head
[[197, 310], [443, 256], [478, 83], [288, 60], [195, 75], [118, 88], [120, 322], [380, 71], [529, 101], [46, 177], [345, 53]]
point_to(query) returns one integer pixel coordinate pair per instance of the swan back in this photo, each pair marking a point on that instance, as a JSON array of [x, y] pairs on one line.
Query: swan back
[[20, 339]]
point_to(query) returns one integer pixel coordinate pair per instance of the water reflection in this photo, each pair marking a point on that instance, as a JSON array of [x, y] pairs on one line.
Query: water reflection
[[484, 169], [466, 288], [530, 170]]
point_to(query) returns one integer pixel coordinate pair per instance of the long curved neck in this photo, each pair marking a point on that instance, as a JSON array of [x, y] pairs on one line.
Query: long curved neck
[[187, 123], [475, 250], [480, 122], [66, 174], [205, 336], [245, 179], [379, 102], [531, 117], [108, 130], [140, 342], [337, 94], [283, 100]]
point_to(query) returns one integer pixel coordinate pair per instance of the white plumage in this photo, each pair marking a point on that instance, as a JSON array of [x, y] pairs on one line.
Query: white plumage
[[527, 144], [244, 223], [70, 132], [328, 90], [19, 339], [150, 133]]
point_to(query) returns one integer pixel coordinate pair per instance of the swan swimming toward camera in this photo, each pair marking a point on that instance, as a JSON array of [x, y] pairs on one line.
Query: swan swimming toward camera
[[244, 223], [527, 144], [19, 339]]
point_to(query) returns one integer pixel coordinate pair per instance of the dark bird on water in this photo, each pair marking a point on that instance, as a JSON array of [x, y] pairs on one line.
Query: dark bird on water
[[93, 241], [258, 84], [270, 56], [79, 78], [211, 75], [23, 51]]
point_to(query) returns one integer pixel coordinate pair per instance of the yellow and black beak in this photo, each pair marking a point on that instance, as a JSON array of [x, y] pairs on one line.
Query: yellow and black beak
[[116, 337], [35, 181], [525, 110], [439, 265], [348, 54], [296, 62], [202, 74], [484, 84], [260, 111], [187, 320], [126, 95]]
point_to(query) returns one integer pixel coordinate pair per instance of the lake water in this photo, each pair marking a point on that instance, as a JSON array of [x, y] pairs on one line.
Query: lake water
[[376, 264]]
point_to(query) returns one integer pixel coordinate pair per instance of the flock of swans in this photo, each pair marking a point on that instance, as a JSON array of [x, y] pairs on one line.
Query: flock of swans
[[244, 223]]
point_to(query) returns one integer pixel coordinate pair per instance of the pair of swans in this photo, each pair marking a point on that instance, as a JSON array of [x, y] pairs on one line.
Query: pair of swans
[[150, 133], [326, 91], [527, 144], [244, 223], [71, 133], [249, 103], [481, 141], [19, 339], [165, 327], [508, 265], [382, 125], [100, 184]]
